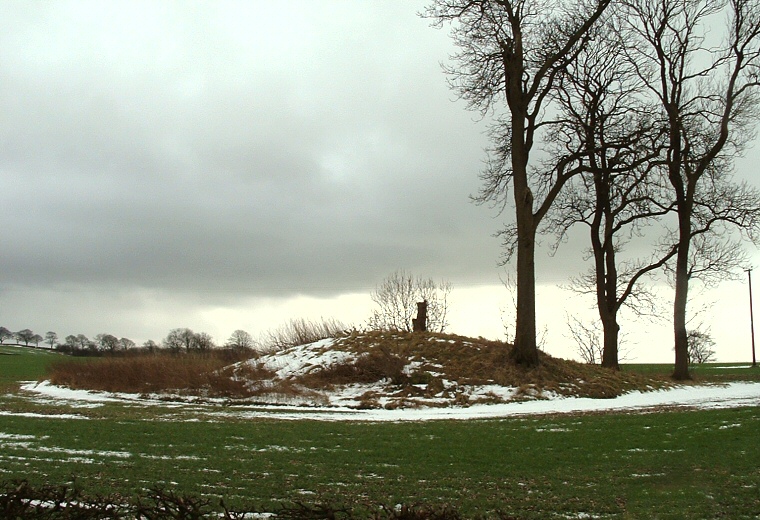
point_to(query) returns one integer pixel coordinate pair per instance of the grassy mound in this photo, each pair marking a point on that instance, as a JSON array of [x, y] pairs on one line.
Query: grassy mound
[[432, 364], [360, 369]]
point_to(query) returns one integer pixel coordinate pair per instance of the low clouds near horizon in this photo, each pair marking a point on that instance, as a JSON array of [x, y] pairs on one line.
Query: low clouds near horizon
[[231, 152]]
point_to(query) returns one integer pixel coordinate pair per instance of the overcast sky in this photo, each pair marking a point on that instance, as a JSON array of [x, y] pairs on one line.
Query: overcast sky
[[218, 164]]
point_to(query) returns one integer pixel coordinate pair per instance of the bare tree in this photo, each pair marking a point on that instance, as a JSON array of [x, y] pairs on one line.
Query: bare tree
[[24, 335], [514, 51], [701, 347], [178, 339], [397, 297], [150, 345], [586, 338], [184, 338], [5, 334], [607, 126], [71, 342], [84, 343], [203, 341], [240, 340], [51, 338], [707, 94], [126, 343], [36, 340], [107, 342]]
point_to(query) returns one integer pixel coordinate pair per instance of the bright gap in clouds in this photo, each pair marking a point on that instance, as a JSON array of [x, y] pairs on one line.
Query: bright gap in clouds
[[488, 311], [475, 310]]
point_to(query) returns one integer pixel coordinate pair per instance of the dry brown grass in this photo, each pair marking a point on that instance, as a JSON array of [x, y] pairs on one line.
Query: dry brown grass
[[299, 331], [469, 361], [195, 374]]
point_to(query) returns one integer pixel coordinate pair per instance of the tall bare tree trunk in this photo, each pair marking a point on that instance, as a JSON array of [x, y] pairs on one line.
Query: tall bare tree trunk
[[681, 371], [610, 358], [609, 305], [684, 192], [603, 247], [525, 351]]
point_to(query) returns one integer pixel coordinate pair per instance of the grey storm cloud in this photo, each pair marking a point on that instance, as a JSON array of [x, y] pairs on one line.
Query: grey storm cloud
[[259, 147]]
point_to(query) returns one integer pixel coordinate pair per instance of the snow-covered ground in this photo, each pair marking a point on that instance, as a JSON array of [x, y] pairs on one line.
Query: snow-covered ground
[[702, 397]]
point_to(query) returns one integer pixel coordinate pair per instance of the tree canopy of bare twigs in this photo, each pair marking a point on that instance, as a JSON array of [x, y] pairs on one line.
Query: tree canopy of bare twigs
[[240, 340], [511, 55], [184, 338], [586, 338], [606, 125], [701, 347], [706, 88]]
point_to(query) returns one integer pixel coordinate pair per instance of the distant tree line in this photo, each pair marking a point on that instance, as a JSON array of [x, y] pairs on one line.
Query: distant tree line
[[396, 298], [178, 340]]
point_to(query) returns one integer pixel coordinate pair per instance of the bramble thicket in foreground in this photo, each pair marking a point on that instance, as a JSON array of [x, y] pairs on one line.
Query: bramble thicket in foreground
[[22, 501]]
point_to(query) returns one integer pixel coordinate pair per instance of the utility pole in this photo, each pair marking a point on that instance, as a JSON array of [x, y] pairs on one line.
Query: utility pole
[[751, 318]]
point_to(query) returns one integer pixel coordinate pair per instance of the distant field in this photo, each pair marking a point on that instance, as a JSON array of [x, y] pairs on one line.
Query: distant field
[[671, 464], [707, 372], [24, 363]]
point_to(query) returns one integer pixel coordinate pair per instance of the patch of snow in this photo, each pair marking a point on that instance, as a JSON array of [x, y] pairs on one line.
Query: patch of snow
[[16, 437], [341, 406], [67, 394], [502, 392], [412, 367], [66, 451], [300, 360], [41, 415], [170, 457]]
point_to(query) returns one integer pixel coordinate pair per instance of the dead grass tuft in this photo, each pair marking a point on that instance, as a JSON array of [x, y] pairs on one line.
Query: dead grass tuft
[[300, 331]]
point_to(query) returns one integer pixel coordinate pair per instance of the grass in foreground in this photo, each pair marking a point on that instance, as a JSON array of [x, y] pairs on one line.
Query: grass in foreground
[[685, 464], [658, 465]]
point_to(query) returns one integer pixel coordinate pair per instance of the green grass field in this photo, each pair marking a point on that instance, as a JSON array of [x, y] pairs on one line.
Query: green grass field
[[708, 372], [670, 464], [23, 364]]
